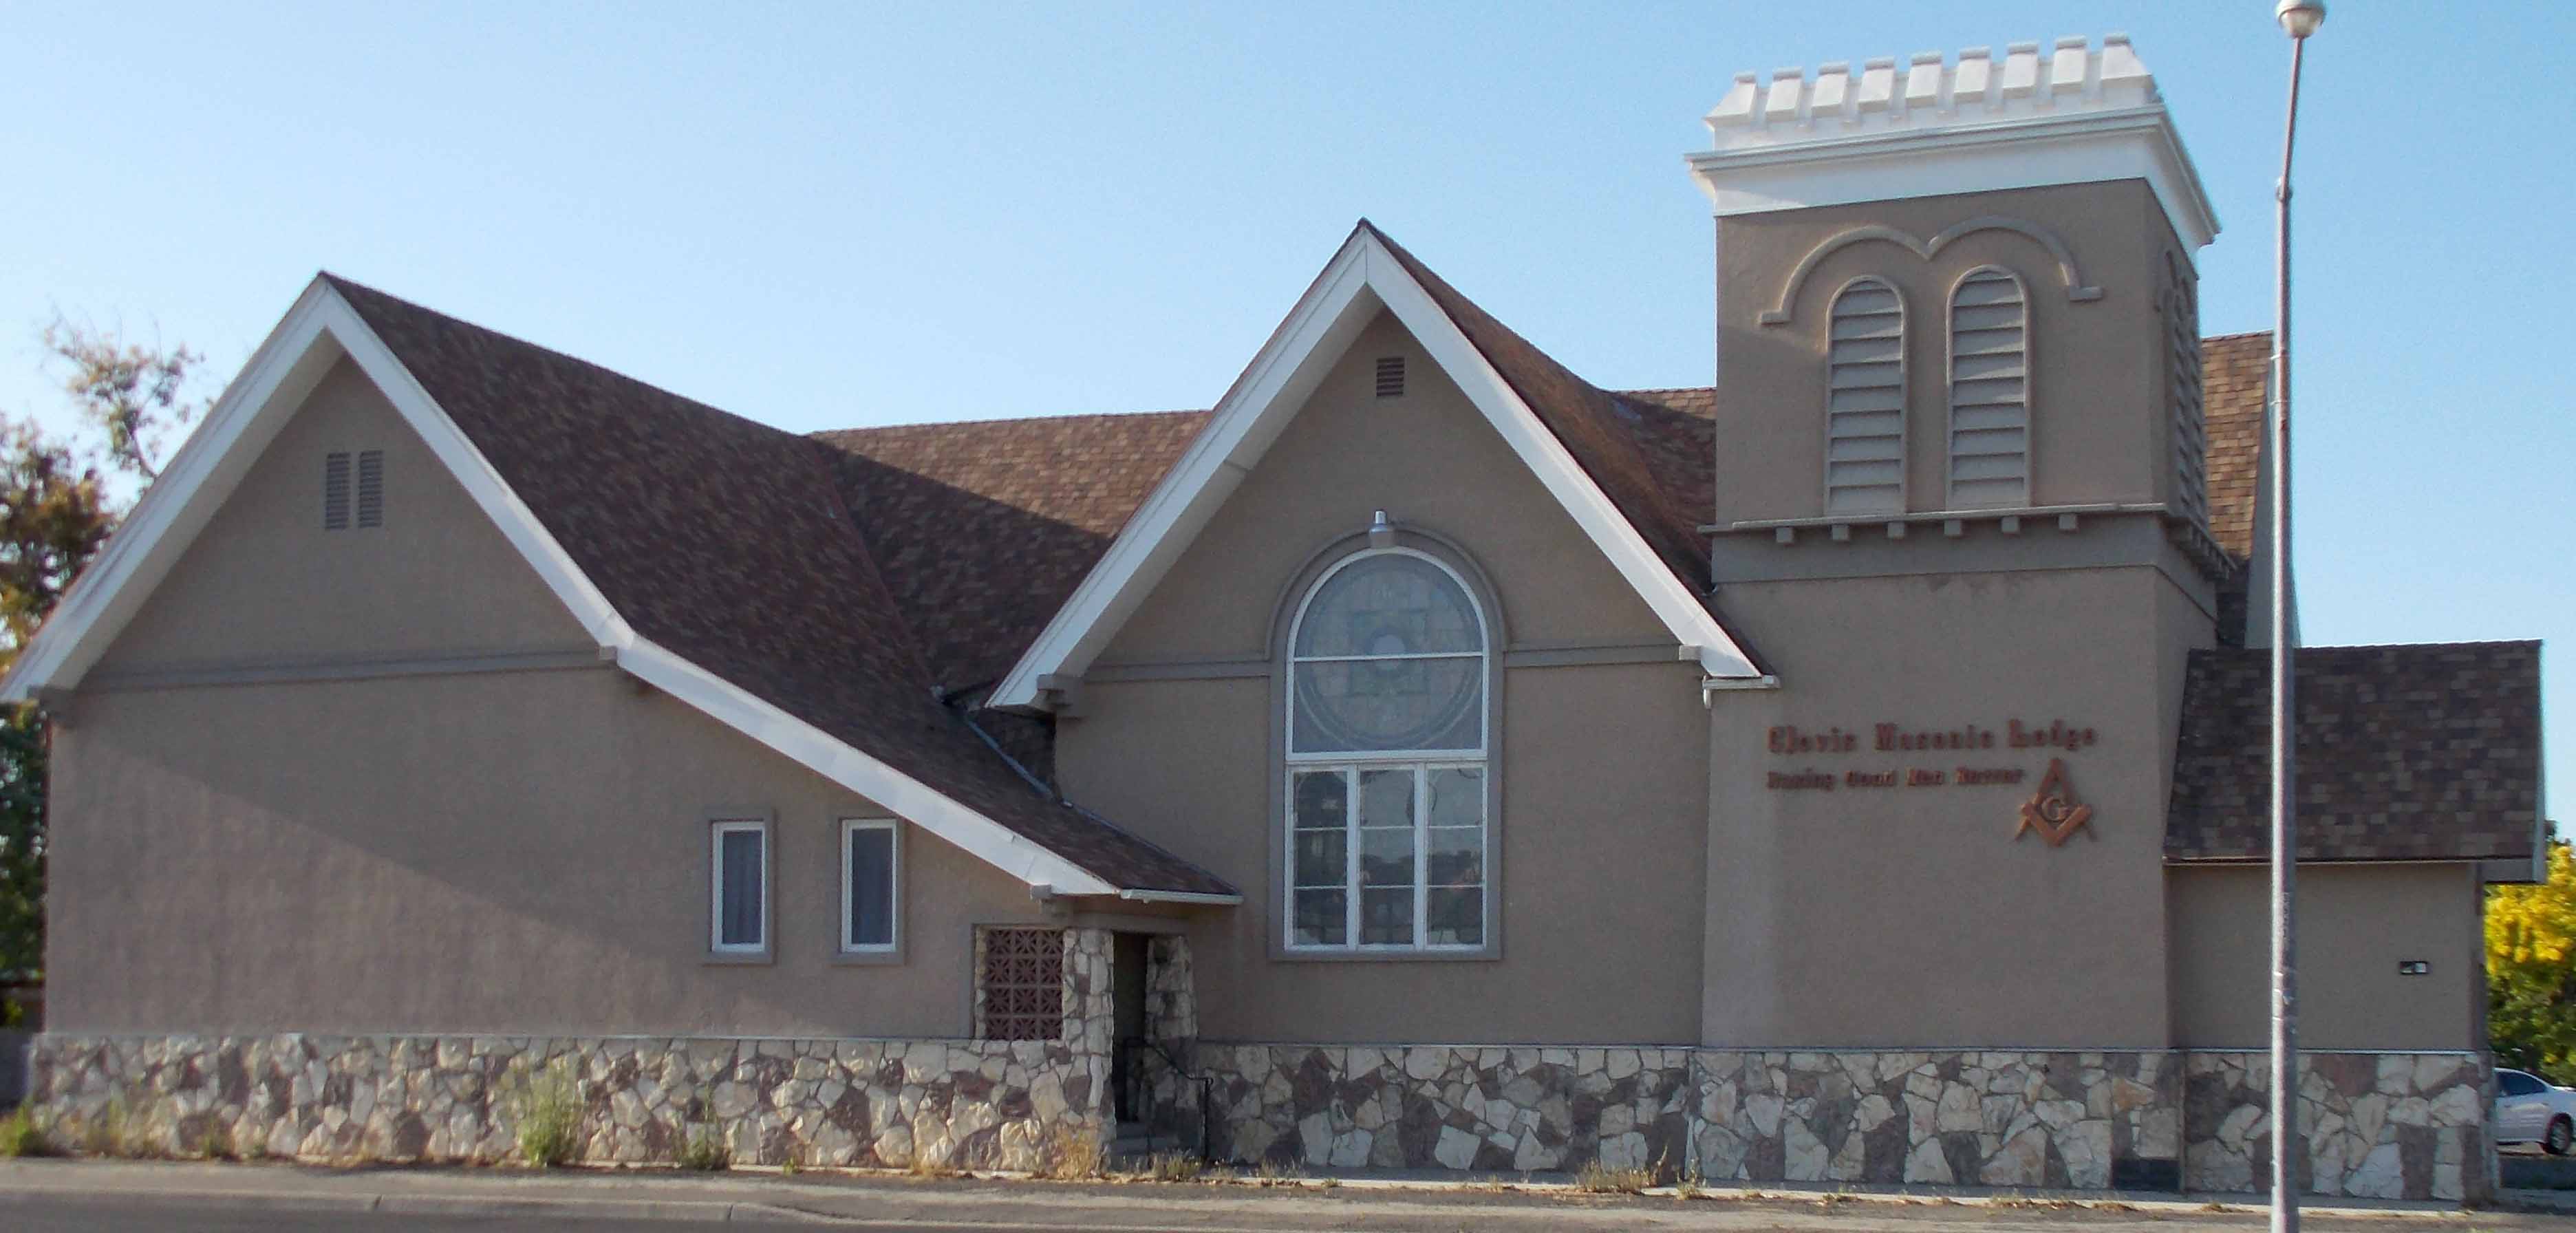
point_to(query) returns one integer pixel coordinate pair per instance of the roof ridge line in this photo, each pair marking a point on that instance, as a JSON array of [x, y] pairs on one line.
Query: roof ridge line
[[345, 285], [1040, 417]]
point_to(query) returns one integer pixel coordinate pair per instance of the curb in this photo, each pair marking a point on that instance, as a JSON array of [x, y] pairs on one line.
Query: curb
[[701, 1210]]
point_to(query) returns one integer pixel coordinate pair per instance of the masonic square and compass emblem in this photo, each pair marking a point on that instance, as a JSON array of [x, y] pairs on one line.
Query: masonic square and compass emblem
[[2053, 810]]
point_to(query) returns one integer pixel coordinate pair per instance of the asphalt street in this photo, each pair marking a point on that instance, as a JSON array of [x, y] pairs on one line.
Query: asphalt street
[[107, 1215], [44, 1196]]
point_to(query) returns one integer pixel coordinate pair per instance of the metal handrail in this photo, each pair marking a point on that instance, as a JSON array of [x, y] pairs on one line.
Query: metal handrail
[[1206, 1087]]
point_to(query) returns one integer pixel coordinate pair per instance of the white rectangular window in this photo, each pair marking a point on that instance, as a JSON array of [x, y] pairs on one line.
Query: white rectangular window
[[739, 878], [869, 886], [1387, 857]]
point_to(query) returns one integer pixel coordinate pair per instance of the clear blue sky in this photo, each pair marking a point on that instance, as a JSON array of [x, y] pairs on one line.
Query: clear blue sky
[[834, 215]]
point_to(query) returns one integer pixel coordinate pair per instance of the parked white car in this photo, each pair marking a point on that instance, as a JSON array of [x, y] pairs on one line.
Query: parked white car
[[2530, 1109]]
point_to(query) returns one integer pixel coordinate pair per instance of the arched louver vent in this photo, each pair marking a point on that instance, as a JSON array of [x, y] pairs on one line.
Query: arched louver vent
[[1989, 391], [1865, 401], [2183, 394]]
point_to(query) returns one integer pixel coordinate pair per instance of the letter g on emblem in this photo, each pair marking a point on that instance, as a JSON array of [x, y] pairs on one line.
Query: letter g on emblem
[[2053, 810]]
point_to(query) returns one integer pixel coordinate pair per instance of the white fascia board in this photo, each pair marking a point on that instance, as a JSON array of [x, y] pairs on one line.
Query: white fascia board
[[1325, 321], [207, 467], [1682, 613], [2132, 143], [833, 759], [491, 493], [319, 330], [1361, 278]]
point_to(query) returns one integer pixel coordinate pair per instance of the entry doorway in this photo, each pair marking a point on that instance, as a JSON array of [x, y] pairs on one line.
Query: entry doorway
[[1127, 968]]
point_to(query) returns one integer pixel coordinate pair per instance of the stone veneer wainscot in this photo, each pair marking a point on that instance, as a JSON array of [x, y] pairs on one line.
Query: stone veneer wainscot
[[821, 1102], [2390, 1125]]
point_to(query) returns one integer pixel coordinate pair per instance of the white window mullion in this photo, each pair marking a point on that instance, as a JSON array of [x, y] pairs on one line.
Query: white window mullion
[[1351, 855], [1421, 856]]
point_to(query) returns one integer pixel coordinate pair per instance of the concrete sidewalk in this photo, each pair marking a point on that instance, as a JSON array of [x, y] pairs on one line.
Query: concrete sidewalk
[[889, 1201]]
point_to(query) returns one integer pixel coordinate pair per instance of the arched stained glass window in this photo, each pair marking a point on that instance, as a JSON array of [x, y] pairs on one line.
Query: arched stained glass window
[[1388, 668]]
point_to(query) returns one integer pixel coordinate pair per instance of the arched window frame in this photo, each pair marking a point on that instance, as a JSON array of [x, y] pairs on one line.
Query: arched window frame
[[1289, 764], [1950, 396], [1839, 479]]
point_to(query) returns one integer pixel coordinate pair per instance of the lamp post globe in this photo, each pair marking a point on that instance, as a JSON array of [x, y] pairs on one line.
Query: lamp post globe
[[2300, 18]]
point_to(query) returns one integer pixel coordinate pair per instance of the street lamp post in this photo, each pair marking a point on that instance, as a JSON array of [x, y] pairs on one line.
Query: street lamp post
[[2299, 19]]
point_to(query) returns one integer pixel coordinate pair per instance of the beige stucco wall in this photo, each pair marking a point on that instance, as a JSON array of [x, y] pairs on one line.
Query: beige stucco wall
[[263, 582], [2355, 923], [1601, 768], [493, 852], [1430, 460], [521, 851], [2097, 419], [1599, 836], [1912, 916]]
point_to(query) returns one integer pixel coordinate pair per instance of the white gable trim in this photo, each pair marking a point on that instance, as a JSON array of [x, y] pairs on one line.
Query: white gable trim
[[317, 331], [898, 793], [1361, 278]]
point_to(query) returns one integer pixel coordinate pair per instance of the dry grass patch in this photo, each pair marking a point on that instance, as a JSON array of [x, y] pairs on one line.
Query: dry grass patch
[[1072, 1156], [22, 1134], [924, 1166], [706, 1152], [216, 1143], [548, 1108], [1597, 1178], [1175, 1167]]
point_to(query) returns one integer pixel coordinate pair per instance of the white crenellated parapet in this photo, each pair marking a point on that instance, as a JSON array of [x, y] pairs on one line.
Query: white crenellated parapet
[[2066, 113]]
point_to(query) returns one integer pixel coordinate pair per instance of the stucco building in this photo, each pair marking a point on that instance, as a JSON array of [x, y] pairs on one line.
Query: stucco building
[[1849, 771]]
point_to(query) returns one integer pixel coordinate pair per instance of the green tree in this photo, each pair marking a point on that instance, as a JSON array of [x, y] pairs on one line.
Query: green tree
[[54, 517], [134, 395], [2531, 970]]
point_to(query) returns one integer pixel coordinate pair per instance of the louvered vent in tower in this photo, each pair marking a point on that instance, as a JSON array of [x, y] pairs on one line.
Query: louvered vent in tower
[[335, 492], [2183, 394], [1989, 392], [1390, 376], [371, 488], [1865, 401]]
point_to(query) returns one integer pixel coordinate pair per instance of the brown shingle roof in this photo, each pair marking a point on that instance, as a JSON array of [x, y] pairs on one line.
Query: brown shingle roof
[[726, 542], [2428, 752], [2234, 371], [984, 529], [1597, 427], [842, 577]]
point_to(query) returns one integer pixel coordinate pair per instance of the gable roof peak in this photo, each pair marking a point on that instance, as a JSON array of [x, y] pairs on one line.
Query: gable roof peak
[[1568, 431]]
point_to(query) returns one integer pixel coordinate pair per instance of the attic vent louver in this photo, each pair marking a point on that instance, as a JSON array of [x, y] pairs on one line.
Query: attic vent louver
[[371, 488], [1989, 391], [335, 492], [1865, 401], [1390, 376]]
